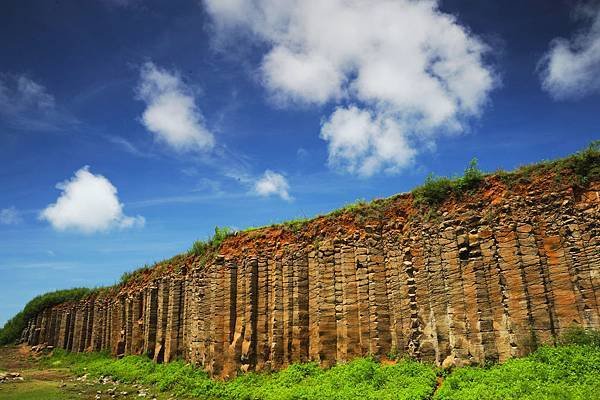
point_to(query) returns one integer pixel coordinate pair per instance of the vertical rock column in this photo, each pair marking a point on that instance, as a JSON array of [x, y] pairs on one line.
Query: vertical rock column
[[276, 312], [249, 344], [262, 317], [173, 333], [300, 332], [150, 321], [287, 281], [350, 308], [379, 314], [327, 323], [137, 324], [98, 326], [161, 319]]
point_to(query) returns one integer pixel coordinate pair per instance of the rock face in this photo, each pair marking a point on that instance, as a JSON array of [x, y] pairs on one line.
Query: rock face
[[488, 277]]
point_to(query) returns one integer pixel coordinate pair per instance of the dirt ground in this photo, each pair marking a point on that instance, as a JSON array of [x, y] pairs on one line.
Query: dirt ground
[[39, 383]]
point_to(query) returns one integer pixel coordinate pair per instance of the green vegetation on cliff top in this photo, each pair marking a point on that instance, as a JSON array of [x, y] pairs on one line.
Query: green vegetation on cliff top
[[14, 326]]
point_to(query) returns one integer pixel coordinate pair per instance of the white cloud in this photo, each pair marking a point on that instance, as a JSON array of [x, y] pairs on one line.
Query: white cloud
[[9, 216], [571, 68], [363, 143], [401, 69], [273, 183], [88, 203], [171, 112]]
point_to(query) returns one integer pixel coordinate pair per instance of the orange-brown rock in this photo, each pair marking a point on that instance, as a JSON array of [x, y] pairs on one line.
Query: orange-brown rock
[[490, 277]]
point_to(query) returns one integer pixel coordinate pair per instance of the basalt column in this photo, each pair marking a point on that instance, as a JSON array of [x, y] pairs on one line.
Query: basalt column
[[173, 331], [150, 321], [486, 277]]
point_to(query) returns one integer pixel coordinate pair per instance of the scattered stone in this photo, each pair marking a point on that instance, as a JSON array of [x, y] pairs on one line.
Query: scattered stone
[[10, 377], [82, 378]]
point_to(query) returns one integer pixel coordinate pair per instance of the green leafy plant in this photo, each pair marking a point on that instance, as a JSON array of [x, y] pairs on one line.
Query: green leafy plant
[[201, 247], [14, 327], [563, 372], [129, 276], [567, 371], [577, 169], [362, 378], [436, 190], [580, 336]]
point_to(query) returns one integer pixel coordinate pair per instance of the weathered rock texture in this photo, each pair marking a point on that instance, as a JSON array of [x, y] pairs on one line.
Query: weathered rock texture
[[487, 278]]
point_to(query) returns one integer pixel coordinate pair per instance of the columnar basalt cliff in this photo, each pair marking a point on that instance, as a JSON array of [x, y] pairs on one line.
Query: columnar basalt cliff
[[484, 277]]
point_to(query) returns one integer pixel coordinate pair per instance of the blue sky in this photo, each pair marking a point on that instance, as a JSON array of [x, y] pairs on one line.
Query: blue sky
[[128, 129]]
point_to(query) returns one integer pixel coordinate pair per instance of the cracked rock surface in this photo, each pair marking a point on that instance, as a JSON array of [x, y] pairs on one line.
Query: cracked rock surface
[[488, 277]]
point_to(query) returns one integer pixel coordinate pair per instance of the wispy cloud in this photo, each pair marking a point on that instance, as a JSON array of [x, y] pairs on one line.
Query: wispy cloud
[[45, 265], [10, 216], [129, 147], [27, 104], [187, 199]]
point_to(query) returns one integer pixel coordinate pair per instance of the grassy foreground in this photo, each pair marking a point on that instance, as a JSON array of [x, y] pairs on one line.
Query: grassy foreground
[[570, 371], [362, 378]]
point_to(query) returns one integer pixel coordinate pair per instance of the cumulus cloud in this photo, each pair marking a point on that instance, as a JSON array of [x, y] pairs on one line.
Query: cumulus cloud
[[400, 72], [364, 143], [88, 203], [171, 111], [9, 216], [273, 183], [570, 68]]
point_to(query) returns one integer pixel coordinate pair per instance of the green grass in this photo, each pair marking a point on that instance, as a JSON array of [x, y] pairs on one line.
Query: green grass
[[362, 378], [35, 390], [437, 189], [568, 371], [577, 169], [564, 372], [202, 247]]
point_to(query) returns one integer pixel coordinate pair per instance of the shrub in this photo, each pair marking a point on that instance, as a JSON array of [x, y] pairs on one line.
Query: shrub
[[437, 189], [434, 191], [564, 372], [13, 328], [585, 164], [570, 372], [470, 179], [362, 378], [131, 275], [581, 336], [578, 169], [200, 247]]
